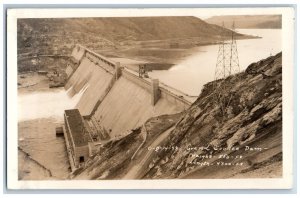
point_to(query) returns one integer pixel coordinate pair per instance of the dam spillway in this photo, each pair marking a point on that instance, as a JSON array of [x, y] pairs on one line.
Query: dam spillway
[[116, 97], [94, 78]]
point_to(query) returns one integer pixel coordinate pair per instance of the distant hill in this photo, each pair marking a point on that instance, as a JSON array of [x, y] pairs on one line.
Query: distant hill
[[248, 21], [109, 32]]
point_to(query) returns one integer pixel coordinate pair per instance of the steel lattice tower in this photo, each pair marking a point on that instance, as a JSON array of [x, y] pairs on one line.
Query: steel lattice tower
[[227, 65]]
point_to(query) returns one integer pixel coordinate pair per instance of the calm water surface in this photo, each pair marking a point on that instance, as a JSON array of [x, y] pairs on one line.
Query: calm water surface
[[196, 70]]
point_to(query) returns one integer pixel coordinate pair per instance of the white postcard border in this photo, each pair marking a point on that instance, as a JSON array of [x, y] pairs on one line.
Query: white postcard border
[[288, 108]]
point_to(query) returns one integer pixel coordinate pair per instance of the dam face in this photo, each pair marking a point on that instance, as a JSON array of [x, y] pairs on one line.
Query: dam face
[[115, 97]]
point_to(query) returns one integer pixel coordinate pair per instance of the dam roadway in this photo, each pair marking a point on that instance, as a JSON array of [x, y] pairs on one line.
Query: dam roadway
[[115, 96]]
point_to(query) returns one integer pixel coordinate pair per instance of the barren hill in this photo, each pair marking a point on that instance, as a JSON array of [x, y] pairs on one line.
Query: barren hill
[[158, 40], [109, 32], [248, 21], [201, 142]]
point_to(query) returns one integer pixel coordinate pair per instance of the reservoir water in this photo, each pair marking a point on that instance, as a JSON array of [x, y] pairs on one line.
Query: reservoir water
[[194, 71]]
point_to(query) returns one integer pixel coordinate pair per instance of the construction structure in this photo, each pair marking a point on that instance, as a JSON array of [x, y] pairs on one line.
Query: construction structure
[[83, 137], [227, 65], [143, 71], [77, 138]]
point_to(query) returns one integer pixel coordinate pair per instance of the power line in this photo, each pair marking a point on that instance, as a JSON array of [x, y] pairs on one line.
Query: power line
[[227, 65]]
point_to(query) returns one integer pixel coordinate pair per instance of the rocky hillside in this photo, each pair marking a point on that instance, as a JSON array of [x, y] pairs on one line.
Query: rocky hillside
[[253, 120], [203, 142], [248, 21]]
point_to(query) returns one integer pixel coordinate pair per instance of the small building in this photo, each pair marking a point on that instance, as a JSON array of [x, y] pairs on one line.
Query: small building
[[77, 138]]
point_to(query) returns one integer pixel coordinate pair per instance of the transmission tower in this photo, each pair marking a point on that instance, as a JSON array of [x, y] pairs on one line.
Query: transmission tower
[[227, 65]]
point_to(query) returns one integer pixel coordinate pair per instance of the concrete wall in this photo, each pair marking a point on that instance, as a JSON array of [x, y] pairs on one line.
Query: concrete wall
[[172, 98], [92, 77], [128, 105], [139, 81], [121, 102], [155, 92], [97, 58], [69, 145], [164, 93]]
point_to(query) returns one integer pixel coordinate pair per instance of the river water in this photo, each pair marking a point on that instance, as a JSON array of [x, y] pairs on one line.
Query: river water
[[46, 104], [194, 71], [39, 113]]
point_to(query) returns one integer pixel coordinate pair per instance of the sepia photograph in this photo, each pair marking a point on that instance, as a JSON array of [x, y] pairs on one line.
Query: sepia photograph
[[162, 95]]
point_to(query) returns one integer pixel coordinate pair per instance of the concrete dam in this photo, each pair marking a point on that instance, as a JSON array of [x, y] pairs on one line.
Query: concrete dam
[[115, 99]]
